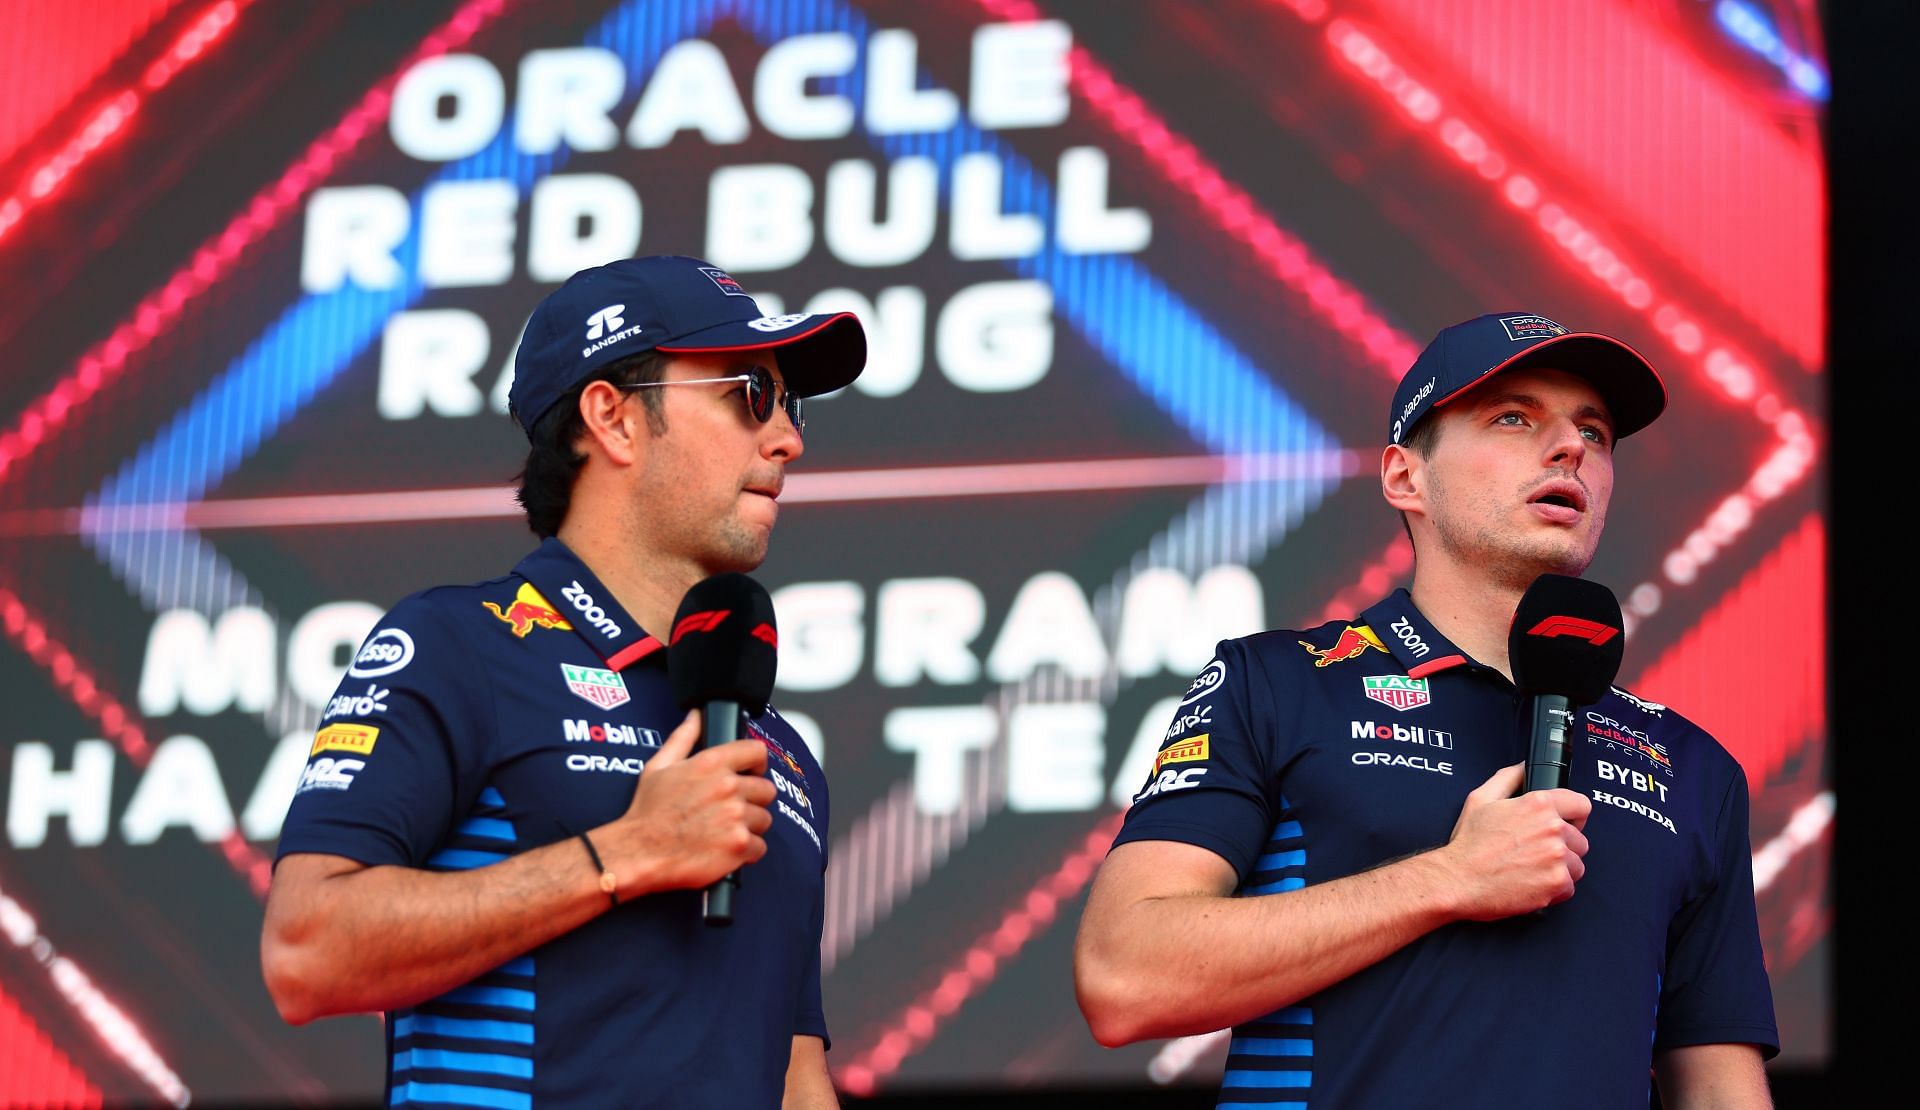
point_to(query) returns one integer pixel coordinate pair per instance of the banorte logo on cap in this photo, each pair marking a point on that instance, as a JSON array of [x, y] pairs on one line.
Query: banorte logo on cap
[[605, 323], [606, 320]]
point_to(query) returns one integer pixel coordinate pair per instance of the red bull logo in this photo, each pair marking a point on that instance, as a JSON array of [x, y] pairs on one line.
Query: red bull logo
[[1353, 642], [1656, 752], [774, 747], [528, 610]]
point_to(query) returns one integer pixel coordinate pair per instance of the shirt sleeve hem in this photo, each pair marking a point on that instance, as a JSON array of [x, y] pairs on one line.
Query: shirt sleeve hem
[[813, 1025], [1212, 841], [359, 852], [1763, 1037]]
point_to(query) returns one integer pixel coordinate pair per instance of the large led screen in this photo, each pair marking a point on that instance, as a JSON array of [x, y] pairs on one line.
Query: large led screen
[[1139, 280]]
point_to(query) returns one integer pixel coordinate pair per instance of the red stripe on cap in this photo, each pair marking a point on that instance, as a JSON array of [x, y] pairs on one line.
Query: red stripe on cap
[[1665, 396], [780, 342], [1440, 664], [633, 653]]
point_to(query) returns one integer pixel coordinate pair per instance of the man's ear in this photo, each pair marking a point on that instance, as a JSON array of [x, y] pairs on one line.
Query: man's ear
[[1403, 479], [613, 428]]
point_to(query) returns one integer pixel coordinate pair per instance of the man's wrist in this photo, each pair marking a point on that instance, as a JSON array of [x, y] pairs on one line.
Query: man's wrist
[[609, 882], [1436, 891]]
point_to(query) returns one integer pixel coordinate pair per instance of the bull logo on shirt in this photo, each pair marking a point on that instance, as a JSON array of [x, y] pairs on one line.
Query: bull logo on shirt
[[528, 610], [1353, 642]]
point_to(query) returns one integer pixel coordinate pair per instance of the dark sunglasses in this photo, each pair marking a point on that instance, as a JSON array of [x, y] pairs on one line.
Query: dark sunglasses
[[761, 395]]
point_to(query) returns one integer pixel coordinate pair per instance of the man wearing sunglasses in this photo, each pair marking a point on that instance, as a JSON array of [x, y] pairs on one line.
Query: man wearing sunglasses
[[502, 831]]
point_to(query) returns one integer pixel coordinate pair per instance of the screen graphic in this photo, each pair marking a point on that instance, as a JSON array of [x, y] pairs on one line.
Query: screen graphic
[[1138, 280]]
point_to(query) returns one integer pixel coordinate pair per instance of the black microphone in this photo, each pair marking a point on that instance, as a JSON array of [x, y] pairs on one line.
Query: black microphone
[[720, 660], [1564, 647]]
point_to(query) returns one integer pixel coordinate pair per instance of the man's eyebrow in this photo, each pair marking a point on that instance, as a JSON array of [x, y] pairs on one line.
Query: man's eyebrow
[[1529, 401], [1589, 412], [1524, 400]]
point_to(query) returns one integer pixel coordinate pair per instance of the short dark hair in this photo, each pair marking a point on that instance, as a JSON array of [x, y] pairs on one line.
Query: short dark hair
[[1421, 441], [554, 458]]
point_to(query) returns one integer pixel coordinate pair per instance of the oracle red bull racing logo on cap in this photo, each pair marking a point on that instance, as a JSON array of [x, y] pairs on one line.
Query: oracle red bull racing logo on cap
[[1354, 641], [527, 611], [725, 281], [1520, 328]]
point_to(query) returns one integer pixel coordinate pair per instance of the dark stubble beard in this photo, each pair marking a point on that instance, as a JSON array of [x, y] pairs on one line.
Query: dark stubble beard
[[1503, 556], [740, 547]]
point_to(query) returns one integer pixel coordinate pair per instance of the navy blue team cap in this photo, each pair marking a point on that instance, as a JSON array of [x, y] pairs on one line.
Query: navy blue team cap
[[678, 305], [1461, 356]]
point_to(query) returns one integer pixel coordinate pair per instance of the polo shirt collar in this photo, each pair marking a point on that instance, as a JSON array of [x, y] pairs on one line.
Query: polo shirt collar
[[578, 596], [1412, 639]]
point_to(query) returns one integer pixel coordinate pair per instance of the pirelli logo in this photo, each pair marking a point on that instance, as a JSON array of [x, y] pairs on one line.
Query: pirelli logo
[[357, 739], [1190, 750]]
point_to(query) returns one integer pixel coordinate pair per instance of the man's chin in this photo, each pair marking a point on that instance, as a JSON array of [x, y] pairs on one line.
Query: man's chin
[[741, 552], [1520, 568]]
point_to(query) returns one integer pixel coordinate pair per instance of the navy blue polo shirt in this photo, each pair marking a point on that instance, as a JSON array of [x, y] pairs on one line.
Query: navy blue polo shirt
[[477, 722], [1300, 757]]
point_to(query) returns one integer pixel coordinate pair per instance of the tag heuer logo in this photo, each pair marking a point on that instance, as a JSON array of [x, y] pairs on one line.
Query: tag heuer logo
[[603, 688], [1398, 692]]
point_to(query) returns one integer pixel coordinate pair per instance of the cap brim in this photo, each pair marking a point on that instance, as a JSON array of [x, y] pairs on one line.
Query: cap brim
[[819, 352], [1626, 381]]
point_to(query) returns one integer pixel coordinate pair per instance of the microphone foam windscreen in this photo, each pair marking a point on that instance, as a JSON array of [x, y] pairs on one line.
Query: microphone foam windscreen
[[723, 646], [1566, 639]]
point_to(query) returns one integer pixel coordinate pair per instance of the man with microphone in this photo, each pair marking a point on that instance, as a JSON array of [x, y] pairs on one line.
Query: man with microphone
[[1333, 856], [474, 848]]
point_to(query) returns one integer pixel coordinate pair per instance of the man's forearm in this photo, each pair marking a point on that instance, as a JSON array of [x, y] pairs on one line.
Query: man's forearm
[[1713, 1077], [809, 1087], [1188, 964], [381, 938]]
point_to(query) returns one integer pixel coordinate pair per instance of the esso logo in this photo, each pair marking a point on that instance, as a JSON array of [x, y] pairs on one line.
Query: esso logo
[[387, 651], [776, 323], [1206, 682]]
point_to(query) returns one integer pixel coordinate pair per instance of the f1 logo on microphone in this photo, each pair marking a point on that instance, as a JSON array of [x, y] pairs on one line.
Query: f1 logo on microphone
[[698, 622], [1592, 632], [764, 631]]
